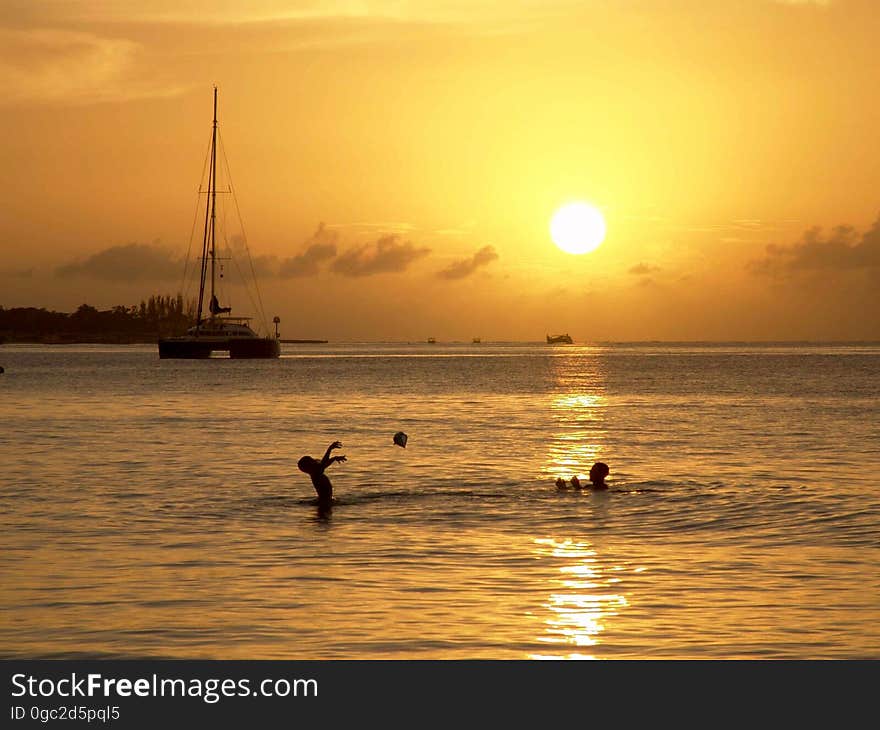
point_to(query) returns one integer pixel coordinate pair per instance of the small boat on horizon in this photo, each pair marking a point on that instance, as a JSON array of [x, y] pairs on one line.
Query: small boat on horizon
[[476, 341], [217, 332], [432, 341], [559, 339]]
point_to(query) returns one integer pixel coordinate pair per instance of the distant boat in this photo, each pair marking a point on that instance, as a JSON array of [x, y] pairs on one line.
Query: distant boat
[[476, 340], [214, 330], [559, 340], [432, 341]]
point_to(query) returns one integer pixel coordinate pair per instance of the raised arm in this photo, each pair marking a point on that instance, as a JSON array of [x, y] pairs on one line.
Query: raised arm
[[327, 460]]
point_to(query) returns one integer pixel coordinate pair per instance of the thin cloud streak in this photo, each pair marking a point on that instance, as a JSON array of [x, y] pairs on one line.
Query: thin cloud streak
[[466, 267], [387, 227], [263, 11], [51, 66]]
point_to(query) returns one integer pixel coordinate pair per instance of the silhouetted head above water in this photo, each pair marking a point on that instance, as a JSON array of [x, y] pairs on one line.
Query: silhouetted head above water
[[598, 472], [308, 465]]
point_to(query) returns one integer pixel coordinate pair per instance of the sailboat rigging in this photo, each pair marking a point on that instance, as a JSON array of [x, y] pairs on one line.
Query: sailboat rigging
[[215, 330]]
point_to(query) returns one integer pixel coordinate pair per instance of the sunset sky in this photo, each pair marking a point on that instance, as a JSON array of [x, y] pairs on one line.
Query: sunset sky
[[397, 164]]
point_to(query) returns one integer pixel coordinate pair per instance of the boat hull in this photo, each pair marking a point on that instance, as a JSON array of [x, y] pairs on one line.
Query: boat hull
[[559, 340], [197, 348]]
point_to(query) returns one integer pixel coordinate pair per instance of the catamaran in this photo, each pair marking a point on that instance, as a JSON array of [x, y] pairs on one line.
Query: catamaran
[[215, 330]]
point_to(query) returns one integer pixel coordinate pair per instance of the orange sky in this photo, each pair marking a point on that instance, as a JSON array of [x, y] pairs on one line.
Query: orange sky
[[732, 145]]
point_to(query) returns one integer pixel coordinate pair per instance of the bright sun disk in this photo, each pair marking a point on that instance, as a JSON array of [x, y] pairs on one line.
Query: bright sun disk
[[577, 228]]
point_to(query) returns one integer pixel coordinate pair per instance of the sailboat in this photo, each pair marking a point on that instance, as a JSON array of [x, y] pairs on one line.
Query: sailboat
[[215, 329]]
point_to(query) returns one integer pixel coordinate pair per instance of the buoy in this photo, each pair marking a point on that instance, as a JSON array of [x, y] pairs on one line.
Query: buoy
[[400, 439]]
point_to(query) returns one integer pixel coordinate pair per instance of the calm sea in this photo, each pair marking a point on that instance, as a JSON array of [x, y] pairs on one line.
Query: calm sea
[[153, 508]]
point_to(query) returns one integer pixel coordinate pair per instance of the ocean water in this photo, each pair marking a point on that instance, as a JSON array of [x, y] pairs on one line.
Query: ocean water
[[153, 508]]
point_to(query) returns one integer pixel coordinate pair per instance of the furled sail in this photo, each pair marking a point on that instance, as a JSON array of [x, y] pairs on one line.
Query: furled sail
[[216, 308]]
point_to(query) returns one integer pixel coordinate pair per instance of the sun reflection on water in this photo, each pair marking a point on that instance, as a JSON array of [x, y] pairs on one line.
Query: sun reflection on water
[[577, 440], [581, 603]]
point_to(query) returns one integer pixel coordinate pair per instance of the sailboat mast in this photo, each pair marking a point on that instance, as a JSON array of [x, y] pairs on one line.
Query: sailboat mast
[[213, 195], [208, 235]]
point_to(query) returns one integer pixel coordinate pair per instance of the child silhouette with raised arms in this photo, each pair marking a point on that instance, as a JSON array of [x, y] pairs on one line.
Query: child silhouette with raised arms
[[315, 469]]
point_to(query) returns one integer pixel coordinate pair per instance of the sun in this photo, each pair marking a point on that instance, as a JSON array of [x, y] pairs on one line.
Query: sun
[[577, 228]]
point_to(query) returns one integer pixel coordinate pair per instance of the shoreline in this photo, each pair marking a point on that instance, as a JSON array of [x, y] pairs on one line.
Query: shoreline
[[596, 343]]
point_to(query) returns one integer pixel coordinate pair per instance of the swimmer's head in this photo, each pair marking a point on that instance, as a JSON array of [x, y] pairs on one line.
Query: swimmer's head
[[307, 464], [598, 472]]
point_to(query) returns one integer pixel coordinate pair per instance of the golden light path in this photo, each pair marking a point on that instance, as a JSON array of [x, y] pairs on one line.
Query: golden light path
[[577, 442], [582, 597], [583, 602]]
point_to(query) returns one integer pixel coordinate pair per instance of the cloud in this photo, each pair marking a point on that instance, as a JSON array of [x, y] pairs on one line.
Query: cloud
[[183, 28], [466, 267], [225, 12], [47, 65], [843, 249], [320, 247], [265, 267], [640, 269], [388, 254], [129, 262], [644, 271], [308, 262]]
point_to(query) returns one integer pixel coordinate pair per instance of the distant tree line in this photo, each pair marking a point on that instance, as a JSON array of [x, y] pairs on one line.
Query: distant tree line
[[158, 316]]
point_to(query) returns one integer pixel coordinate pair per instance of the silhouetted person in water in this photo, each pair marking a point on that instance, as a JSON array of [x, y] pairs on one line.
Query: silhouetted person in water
[[315, 469], [598, 472]]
